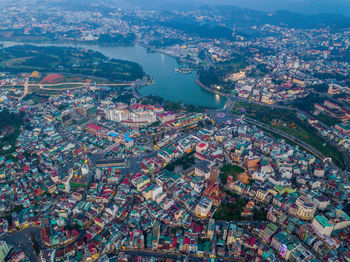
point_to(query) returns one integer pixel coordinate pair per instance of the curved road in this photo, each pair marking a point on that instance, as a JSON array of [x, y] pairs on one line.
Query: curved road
[[309, 148]]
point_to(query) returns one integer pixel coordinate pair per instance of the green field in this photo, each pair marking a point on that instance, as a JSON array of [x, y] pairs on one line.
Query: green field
[[230, 211], [15, 121], [328, 120], [28, 58], [216, 75], [307, 104], [230, 170], [287, 121]]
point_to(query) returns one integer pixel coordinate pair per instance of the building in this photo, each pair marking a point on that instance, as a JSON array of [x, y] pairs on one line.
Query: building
[[236, 76], [156, 191], [167, 117], [212, 191], [4, 250], [322, 225], [111, 163], [203, 207], [203, 169], [140, 182], [211, 228], [321, 202], [331, 105], [268, 232], [343, 127], [129, 118], [202, 147], [96, 130], [67, 118], [284, 244], [301, 254], [305, 209], [87, 110]]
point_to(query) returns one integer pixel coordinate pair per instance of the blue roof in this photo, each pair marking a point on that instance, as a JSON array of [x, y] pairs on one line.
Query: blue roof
[[112, 134], [127, 138]]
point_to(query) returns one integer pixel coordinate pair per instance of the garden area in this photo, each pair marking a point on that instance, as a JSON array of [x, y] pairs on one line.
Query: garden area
[[230, 170], [10, 124], [230, 211], [185, 162]]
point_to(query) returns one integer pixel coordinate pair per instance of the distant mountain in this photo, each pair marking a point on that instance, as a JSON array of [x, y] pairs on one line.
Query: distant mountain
[[310, 7], [249, 17], [234, 14], [306, 7], [154, 4]]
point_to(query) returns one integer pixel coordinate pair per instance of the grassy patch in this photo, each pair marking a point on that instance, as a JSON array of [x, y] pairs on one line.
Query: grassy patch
[[15, 121], [230, 170], [185, 162], [230, 211], [328, 120]]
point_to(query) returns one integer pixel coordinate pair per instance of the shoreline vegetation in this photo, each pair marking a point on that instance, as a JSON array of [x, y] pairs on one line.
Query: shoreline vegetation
[[69, 60]]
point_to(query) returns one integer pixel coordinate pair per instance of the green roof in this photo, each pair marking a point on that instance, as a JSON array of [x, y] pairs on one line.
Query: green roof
[[323, 221]]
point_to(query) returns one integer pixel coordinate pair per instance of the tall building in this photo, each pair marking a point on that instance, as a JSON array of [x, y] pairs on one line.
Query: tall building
[[211, 228], [4, 250], [131, 118], [203, 207], [87, 110]]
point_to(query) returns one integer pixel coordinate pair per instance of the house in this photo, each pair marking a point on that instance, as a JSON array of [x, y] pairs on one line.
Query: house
[[322, 225], [203, 169], [284, 244], [268, 232], [305, 209], [203, 207]]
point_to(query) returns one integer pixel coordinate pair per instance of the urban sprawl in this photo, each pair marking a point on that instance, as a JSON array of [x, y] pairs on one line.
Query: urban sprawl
[[92, 171]]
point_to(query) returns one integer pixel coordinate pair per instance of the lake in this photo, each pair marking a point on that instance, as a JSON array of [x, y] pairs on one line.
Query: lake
[[168, 84]]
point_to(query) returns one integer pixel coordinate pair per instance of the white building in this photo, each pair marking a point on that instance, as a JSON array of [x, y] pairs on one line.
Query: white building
[[322, 225], [156, 191], [203, 169], [203, 207], [127, 117]]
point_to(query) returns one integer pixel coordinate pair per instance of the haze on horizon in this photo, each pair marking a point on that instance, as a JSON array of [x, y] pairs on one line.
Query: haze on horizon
[[308, 7]]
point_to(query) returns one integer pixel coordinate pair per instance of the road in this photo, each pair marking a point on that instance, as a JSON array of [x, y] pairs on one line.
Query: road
[[138, 84], [50, 87], [26, 89], [309, 148], [22, 239]]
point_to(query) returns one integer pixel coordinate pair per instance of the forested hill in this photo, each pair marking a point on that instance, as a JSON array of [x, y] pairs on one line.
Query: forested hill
[[30, 58]]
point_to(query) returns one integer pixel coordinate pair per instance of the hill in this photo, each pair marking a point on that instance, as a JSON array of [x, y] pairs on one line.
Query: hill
[[28, 58]]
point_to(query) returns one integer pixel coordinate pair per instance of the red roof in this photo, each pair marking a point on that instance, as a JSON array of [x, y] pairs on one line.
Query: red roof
[[174, 242], [94, 127], [125, 181]]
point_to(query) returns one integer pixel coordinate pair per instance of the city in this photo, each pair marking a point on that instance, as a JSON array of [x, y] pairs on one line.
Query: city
[[190, 133]]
